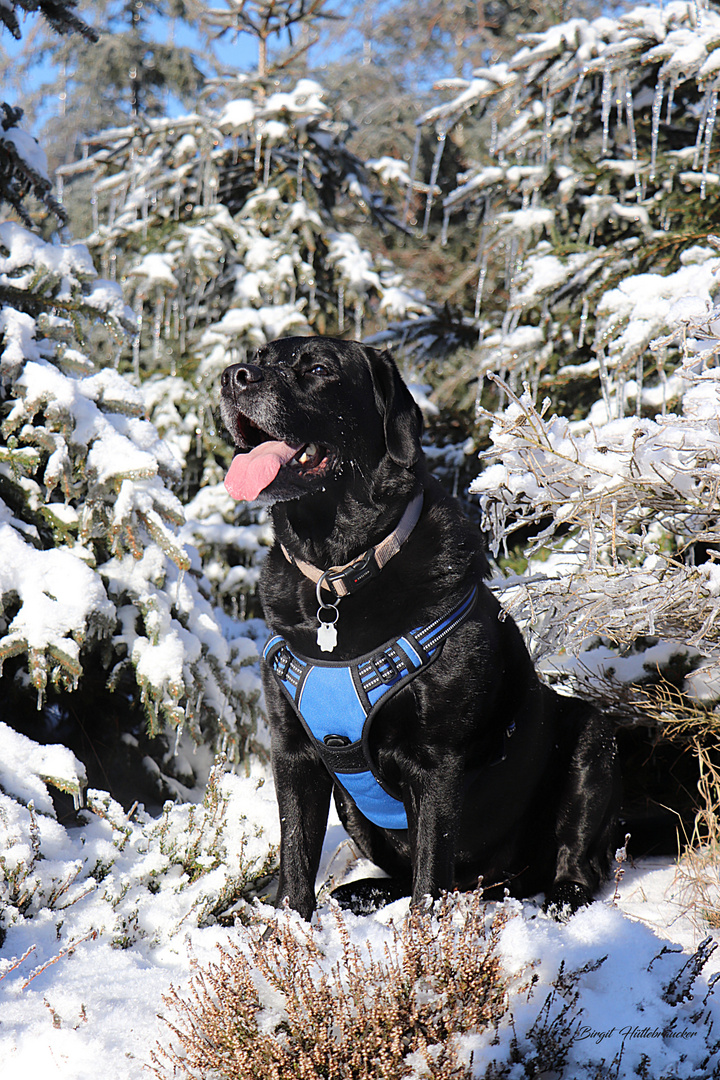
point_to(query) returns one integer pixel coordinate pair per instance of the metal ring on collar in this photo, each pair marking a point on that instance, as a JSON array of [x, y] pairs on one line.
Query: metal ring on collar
[[321, 602], [328, 607]]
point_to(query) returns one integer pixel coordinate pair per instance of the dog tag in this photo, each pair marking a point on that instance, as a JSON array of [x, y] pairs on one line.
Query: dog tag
[[327, 636], [327, 631]]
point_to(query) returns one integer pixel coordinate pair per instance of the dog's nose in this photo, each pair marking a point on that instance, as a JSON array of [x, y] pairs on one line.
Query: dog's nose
[[240, 376]]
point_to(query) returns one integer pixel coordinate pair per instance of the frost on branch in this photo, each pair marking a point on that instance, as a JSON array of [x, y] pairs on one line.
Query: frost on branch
[[618, 504]]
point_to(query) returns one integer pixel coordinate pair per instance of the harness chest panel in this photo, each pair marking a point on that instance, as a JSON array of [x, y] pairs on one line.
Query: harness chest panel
[[337, 701]]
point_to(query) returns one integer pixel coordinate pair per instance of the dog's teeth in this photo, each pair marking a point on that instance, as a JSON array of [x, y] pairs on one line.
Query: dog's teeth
[[308, 454]]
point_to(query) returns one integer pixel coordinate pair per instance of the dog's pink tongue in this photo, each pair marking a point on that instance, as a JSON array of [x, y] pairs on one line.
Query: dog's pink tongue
[[249, 474]]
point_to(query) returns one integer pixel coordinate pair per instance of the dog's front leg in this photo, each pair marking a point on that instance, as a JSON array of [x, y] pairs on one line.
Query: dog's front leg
[[433, 814], [303, 788]]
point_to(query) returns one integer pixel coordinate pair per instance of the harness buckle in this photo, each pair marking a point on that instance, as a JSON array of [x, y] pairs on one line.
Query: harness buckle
[[282, 661], [356, 574], [387, 674]]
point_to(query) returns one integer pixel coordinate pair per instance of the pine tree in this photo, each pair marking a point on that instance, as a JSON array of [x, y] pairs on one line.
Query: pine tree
[[590, 203], [23, 166], [96, 584], [229, 227], [131, 66]]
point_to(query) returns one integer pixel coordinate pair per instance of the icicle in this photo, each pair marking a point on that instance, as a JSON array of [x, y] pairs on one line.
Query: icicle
[[663, 381], [258, 152], [670, 100], [583, 324], [630, 114], [446, 222], [433, 180], [95, 217], [592, 552], [411, 176], [181, 324], [341, 307], [513, 260], [620, 97], [575, 96], [358, 319], [701, 131], [144, 208], [547, 124], [199, 292], [510, 322], [266, 170], [656, 110], [136, 340], [606, 105], [481, 286], [709, 129], [620, 395], [157, 323], [604, 381], [492, 147], [299, 178], [210, 186], [59, 187], [638, 385], [178, 733]]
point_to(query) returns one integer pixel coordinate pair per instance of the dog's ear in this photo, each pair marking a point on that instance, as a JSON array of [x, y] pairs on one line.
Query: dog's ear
[[401, 416]]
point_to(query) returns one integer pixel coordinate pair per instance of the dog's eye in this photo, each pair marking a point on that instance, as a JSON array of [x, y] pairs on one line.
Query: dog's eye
[[318, 369]]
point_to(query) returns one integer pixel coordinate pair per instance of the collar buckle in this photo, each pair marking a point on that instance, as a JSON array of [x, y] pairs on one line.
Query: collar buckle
[[354, 576]]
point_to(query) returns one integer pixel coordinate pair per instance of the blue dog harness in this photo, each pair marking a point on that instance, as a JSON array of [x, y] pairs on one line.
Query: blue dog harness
[[337, 701]]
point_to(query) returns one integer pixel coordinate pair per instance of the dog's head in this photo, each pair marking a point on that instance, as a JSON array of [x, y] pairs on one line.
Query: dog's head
[[307, 409]]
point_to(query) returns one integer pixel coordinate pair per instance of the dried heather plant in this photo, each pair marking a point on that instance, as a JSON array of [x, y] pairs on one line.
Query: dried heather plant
[[699, 868], [276, 1008]]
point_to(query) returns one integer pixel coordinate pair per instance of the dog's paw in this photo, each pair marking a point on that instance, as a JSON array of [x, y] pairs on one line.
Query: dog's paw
[[563, 900], [368, 895]]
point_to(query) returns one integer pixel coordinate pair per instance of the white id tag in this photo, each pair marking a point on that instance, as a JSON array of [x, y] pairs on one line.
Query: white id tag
[[327, 636]]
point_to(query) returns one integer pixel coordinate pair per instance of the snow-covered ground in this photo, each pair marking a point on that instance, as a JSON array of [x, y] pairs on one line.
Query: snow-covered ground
[[78, 1012]]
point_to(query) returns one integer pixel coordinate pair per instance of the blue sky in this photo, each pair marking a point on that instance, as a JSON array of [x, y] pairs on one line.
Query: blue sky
[[239, 53]]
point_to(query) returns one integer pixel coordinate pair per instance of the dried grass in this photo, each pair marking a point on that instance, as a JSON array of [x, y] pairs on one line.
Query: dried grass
[[276, 1008], [699, 867]]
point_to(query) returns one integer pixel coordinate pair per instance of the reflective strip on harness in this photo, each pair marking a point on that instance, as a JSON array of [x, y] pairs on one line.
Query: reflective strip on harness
[[338, 700]]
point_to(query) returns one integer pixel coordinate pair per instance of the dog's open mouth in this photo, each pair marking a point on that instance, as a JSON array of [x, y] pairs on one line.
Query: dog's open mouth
[[255, 469]]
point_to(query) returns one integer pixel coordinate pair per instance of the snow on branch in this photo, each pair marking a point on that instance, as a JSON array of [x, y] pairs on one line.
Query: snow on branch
[[92, 568], [615, 510]]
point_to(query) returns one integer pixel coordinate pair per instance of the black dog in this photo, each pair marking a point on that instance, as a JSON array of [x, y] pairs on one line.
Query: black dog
[[469, 768]]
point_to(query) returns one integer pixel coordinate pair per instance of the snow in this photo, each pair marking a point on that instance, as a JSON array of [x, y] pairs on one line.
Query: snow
[[102, 918], [237, 114], [59, 597], [22, 255], [26, 768], [156, 270], [27, 149], [82, 980]]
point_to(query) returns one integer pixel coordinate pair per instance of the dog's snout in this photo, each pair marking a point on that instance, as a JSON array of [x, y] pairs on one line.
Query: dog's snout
[[240, 376]]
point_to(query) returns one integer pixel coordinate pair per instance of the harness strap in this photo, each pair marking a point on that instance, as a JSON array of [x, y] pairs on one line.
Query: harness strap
[[337, 701]]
